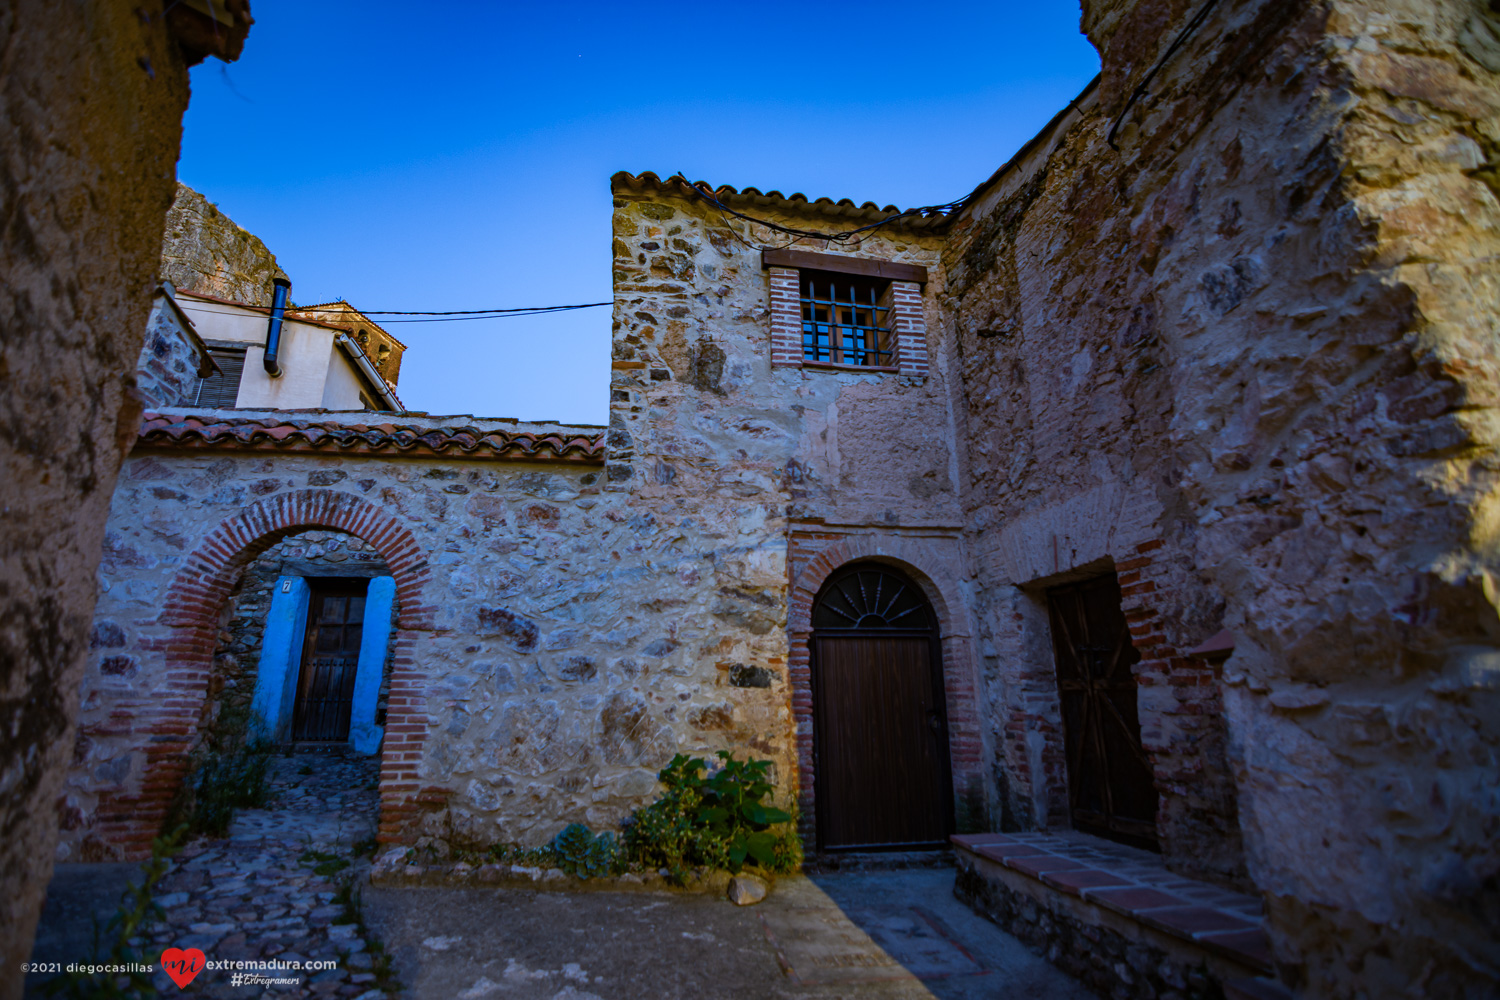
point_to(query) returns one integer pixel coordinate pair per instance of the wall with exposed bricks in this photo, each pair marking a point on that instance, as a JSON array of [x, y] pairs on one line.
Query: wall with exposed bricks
[[711, 407], [1245, 357]]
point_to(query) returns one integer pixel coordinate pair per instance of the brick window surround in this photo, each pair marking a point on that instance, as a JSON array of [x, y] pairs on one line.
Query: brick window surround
[[128, 819], [907, 316], [816, 556]]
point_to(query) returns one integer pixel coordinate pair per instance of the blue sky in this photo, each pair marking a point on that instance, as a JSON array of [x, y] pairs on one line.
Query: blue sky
[[458, 156]]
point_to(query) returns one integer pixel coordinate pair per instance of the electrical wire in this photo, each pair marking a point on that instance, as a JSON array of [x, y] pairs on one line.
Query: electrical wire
[[449, 316], [476, 313], [1141, 88]]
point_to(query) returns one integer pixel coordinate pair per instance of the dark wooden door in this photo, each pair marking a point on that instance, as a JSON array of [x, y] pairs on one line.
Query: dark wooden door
[[880, 735], [330, 657], [1110, 787]]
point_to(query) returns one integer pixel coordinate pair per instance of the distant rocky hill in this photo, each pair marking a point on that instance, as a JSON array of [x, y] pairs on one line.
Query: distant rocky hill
[[205, 252]]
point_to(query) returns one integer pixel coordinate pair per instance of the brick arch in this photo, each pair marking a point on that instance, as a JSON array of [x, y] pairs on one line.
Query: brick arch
[[191, 612], [941, 587]]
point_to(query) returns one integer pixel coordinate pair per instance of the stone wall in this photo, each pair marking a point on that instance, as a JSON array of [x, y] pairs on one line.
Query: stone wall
[[568, 645], [1247, 360], [564, 628], [704, 429], [173, 357], [92, 97], [205, 252]]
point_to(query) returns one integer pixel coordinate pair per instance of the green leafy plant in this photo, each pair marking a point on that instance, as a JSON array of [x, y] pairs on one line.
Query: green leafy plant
[[352, 904], [137, 913], [323, 862], [716, 819], [225, 781], [580, 853]]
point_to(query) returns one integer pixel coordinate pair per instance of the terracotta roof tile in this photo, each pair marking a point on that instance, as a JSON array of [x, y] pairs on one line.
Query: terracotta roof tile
[[286, 434], [628, 183]]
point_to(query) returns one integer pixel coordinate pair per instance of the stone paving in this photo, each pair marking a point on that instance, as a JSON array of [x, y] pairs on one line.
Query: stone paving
[[255, 894], [888, 935]]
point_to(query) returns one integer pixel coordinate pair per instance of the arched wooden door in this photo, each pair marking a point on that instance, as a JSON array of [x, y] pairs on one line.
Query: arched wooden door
[[879, 714]]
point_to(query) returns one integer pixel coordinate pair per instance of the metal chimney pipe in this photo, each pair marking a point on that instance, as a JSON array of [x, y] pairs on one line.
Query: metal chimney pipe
[[273, 327]]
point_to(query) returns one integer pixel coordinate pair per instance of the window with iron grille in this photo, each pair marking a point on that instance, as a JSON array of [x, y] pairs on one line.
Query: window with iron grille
[[846, 320], [220, 391]]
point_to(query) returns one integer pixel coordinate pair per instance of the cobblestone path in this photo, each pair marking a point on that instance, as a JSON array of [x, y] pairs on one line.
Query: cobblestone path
[[271, 889]]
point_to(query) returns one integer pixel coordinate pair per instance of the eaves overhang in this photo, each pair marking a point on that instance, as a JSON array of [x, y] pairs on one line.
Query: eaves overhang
[[843, 210], [288, 433]]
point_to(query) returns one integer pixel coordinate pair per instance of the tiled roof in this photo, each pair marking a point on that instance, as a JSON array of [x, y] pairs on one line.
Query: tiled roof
[[285, 434], [845, 209], [343, 306]]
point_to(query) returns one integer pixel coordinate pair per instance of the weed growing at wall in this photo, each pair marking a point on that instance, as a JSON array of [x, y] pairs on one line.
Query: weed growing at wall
[[715, 819], [324, 863], [133, 919], [353, 912], [578, 852], [708, 818], [222, 783], [227, 771]]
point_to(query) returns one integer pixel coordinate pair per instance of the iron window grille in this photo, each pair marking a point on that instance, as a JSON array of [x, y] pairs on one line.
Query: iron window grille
[[844, 320]]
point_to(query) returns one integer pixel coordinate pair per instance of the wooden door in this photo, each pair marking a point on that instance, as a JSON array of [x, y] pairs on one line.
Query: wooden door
[[1110, 786], [881, 739], [330, 658]]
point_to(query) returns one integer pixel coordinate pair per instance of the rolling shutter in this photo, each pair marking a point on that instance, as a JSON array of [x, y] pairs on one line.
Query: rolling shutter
[[220, 391]]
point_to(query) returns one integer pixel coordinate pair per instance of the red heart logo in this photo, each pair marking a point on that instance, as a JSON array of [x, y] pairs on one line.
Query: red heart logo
[[183, 966]]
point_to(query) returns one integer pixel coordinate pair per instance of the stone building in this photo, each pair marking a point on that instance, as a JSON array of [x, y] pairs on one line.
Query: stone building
[[381, 345], [1146, 493]]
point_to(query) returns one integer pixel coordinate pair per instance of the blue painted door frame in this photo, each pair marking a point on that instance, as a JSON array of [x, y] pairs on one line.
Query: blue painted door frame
[[281, 661]]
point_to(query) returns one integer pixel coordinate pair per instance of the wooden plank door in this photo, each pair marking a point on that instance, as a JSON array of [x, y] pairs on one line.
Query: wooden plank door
[[1110, 786], [882, 745], [330, 658]]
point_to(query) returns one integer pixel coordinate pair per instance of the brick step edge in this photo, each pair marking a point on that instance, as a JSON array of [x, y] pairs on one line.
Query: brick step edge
[[1245, 945]]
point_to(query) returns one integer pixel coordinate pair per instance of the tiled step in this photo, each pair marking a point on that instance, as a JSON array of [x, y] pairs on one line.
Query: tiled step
[[1222, 925]]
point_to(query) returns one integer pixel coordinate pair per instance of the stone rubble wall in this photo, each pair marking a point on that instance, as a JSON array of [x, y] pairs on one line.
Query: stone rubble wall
[[166, 372], [91, 104], [574, 644], [564, 628], [1248, 361], [205, 252], [704, 429]]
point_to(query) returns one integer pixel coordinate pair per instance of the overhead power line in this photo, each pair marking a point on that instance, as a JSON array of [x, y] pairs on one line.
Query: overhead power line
[[444, 316], [458, 313]]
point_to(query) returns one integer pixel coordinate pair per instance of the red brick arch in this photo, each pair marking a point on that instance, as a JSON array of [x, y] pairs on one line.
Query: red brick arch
[[191, 612], [920, 560]]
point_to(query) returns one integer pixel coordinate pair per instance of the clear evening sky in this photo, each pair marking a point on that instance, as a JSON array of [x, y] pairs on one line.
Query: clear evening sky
[[457, 156]]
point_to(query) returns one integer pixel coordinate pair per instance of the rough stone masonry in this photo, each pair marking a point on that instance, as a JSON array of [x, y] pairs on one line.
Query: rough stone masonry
[[92, 95], [1231, 338], [1256, 346]]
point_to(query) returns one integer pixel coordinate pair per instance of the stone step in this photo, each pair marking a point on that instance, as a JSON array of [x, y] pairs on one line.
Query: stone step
[[1093, 890]]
